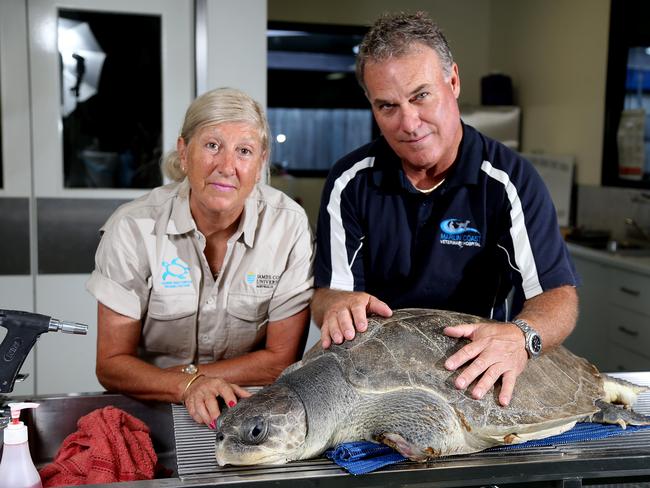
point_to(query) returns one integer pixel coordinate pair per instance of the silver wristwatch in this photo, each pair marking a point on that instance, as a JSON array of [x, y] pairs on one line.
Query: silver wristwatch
[[532, 338], [190, 369]]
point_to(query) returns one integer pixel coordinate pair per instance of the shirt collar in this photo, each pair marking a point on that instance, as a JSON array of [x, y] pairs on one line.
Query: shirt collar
[[250, 216], [464, 171], [180, 220], [467, 167], [387, 172]]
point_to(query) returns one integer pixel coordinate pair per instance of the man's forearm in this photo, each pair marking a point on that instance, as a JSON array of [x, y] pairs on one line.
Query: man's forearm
[[553, 314], [322, 301]]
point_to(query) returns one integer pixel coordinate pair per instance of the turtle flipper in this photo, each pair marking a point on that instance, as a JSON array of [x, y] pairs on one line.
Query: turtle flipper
[[417, 423], [613, 414], [621, 391]]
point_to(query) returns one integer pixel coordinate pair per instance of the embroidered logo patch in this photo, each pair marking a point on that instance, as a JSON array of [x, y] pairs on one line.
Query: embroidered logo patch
[[176, 274], [456, 232], [262, 280]]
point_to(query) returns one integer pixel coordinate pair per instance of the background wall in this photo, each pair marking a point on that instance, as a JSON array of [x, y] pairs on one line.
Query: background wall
[[240, 64], [554, 50], [556, 53]]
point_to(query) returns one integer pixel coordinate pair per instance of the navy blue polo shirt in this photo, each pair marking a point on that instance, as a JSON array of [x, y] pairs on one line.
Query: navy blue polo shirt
[[490, 228]]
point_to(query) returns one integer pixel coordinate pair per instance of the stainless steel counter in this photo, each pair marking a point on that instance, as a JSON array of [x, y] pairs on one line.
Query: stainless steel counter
[[638, 263], [610, 461]]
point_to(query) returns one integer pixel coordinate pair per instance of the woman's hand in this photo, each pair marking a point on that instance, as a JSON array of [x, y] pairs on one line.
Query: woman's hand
[[200, 398]]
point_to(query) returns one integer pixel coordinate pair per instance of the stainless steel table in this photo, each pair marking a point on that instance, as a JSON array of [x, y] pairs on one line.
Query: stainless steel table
[[617, 461]]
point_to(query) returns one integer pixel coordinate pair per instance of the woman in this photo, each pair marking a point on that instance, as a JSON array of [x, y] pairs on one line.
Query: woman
[[204, 284]]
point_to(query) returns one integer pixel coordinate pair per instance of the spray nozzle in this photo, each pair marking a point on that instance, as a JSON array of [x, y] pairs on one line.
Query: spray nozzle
[[17, 407]]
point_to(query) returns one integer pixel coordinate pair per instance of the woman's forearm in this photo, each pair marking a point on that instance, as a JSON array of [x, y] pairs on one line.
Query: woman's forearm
[[284, 345], [133, 376], [251, 369]]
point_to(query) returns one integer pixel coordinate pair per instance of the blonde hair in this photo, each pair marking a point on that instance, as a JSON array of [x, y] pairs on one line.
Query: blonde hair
[[216, 107]]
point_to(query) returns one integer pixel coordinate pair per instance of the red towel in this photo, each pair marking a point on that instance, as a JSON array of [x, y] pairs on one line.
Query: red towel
[[109, 446]]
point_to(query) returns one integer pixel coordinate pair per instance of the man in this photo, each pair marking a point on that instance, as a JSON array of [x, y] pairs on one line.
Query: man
[[434, 214]]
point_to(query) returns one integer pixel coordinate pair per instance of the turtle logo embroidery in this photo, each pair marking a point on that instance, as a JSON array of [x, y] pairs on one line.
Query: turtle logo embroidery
[[457, 232], [176, 274]]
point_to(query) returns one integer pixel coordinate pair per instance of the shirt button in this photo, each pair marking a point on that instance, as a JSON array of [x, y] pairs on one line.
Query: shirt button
[[205, 339], [210, 301]]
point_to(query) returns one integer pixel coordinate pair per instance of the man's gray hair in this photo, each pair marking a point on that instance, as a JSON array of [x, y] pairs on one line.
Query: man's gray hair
[[394, 34], [218, 106]]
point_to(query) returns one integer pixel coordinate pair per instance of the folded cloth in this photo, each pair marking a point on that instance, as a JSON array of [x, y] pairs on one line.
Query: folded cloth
[[109, 446], [364, 457]]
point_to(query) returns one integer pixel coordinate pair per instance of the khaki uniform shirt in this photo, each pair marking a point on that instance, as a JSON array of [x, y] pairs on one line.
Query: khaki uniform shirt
[[150, 266]]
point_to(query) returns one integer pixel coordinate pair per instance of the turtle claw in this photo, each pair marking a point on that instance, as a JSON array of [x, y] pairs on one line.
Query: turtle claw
[[612, 414], [401, 445]]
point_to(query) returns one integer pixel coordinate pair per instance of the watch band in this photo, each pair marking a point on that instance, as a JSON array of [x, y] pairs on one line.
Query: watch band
[[533, 340]]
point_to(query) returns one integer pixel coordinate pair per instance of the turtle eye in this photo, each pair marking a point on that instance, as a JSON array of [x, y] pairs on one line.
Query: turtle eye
[[254, 430]]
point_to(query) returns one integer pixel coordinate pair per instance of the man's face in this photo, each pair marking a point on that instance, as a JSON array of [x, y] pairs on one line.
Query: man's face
[[415, 105]]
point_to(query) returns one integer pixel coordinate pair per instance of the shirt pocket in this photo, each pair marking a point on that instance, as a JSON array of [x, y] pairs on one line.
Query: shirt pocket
[[171, 307], [170, 324], [247, 317]]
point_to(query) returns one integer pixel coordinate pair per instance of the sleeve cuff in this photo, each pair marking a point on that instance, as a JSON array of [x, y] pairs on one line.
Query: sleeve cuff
[[291, 303], [112, 295]]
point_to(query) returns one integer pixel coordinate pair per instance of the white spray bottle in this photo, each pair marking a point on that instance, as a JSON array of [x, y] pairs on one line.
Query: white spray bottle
[[17, 469]]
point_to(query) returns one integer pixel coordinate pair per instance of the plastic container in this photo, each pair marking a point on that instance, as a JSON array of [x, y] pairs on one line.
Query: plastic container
[[17, 469]]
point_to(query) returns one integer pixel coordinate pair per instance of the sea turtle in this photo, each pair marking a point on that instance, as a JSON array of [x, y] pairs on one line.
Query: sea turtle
[[389, 385]]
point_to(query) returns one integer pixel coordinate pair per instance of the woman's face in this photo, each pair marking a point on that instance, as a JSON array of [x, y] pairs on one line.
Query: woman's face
[[223, 163]]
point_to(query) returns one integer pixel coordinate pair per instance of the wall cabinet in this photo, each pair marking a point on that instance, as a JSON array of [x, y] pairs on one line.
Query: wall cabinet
[[587, 338], [613, 329]]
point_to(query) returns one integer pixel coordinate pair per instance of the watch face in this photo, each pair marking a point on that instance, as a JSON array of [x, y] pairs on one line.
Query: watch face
[[190, 369], [536, 344]]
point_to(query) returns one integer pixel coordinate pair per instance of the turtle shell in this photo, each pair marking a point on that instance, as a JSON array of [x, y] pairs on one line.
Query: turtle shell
[[408, 351]]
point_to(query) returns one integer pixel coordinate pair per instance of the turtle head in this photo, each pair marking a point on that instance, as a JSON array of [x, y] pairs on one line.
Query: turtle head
[[268, 428]]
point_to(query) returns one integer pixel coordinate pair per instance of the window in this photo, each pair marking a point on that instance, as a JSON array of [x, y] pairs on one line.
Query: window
[[111, 108], [317, 111], [626, 146]]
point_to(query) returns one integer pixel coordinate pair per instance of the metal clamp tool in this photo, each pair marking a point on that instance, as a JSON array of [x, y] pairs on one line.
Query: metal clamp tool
[[23, 329]]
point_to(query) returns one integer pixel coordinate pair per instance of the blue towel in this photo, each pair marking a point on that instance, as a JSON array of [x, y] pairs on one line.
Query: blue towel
[[583, 431], [364, 457]]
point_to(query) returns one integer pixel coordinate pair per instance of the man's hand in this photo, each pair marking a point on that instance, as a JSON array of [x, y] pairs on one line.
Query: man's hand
[[495, 351], [340, 314]]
